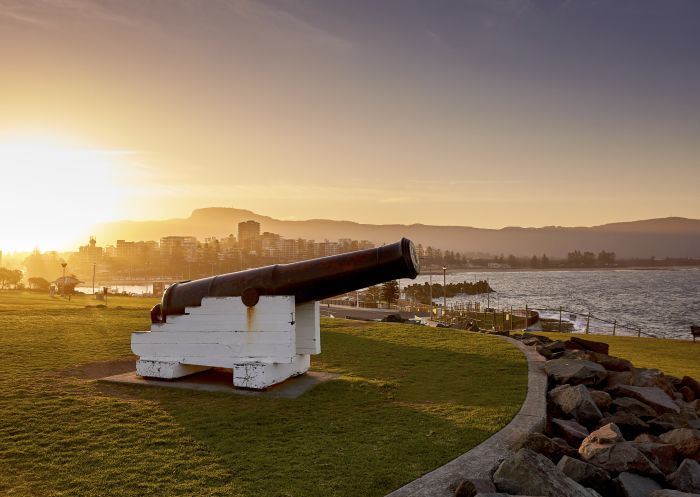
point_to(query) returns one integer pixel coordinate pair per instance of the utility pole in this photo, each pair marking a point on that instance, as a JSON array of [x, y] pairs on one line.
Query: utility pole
[[93, 277]]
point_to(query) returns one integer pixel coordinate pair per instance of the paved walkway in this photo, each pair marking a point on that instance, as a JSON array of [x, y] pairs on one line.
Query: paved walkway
[[481, 461]]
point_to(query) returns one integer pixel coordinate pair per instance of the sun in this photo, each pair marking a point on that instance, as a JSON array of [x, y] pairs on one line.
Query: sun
[[53, 192]]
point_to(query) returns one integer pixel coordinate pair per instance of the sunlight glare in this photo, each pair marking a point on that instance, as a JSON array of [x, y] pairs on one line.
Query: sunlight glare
[[53, 193]]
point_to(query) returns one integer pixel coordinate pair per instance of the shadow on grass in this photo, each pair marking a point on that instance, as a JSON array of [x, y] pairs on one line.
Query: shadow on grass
[[397, 412]]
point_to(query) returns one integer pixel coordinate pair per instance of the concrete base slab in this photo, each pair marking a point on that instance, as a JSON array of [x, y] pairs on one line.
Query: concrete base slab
[[220, 380]]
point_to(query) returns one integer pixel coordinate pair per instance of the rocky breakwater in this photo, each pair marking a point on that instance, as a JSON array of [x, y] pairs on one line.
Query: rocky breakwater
[[613, 430]]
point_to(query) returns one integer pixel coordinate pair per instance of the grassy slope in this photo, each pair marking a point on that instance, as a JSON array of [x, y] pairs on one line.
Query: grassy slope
[[408, 400], [675, 357]]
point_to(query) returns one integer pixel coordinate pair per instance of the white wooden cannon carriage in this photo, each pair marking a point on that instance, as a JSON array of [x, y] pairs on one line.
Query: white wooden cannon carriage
[[264, 344]]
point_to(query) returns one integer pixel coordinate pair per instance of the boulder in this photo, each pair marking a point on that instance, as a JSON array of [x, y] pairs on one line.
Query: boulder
[[633, 406], [663, 456], [474, 486], [687, 393], [607, 449], [665, 492], [666, 422], [641, 377], [644, 377], [599, 347], [651, 396], [691, 384], [602, 399], [575, 371], [687, 477], [607, 434], [587, 475], [529, 473], [552, 448], [629, 424], [570, 430], [633, 485], [611, 363], [685, 441], [576, 402], [647, 438]]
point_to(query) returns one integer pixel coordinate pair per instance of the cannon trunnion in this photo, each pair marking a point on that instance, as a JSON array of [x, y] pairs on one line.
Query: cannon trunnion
[[262, 323]]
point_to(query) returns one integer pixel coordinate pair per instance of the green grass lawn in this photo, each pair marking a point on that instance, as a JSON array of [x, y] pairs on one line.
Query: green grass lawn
[[408, 400], [675, 357]]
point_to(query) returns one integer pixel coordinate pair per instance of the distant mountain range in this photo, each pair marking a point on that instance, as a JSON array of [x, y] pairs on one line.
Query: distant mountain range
[[665, 237]]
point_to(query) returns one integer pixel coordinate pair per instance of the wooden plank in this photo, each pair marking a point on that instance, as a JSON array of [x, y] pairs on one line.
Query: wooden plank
[[225, 337], [203, 350], [308, 328]]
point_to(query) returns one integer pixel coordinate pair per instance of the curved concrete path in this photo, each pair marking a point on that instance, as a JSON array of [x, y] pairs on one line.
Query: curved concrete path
[[481, 461]]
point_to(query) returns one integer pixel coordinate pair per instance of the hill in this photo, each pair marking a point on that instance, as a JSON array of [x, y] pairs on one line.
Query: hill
[[664, 237]]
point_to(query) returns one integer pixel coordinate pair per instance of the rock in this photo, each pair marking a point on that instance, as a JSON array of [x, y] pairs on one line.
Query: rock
[[692, 384], [474, 486], [665, 422], [552, 448], [602, 399], [576, 402], [611, 363], [617, 379], [636, 486], [663, 456], [685, 441], [665, 492], [599, 347], [607, 449], [687, 477], [529, 473], [607, 434], [652, 396], [687, 393], [575, 372], [544, 352], [531, 341], [644, 377], [572, 432], [587, 475], [647, 438], [641, 377], [629, 424], [633, 406]]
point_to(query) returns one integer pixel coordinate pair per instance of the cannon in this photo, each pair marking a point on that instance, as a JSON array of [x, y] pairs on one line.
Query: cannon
[[262, 323]]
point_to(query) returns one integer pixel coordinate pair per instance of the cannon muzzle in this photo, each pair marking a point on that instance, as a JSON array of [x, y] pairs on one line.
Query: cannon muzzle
[[310, 280]]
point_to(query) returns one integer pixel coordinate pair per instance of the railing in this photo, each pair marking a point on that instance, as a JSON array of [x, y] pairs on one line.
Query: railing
[[507, 319]]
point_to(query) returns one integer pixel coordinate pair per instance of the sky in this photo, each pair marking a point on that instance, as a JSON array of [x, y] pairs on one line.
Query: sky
[[485, 113]]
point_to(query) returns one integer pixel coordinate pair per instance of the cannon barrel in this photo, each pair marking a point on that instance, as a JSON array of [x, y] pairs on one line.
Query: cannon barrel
[[315, 279]]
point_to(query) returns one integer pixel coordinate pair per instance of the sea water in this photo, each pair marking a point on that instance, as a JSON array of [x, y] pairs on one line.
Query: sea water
[[662, 303]]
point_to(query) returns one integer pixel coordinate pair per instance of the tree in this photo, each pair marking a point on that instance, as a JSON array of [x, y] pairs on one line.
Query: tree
[[37, 283], [373, 293], [390, 291], [9, 277]]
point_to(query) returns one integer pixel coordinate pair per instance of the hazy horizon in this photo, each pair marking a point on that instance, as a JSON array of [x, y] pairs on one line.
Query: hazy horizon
[[488, 113]]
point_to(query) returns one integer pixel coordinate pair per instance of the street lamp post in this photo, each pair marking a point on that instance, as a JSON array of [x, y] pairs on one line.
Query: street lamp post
[[430, 286], [444, 290], [63, 281]]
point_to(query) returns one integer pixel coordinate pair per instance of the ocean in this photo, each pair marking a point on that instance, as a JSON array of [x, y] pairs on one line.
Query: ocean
[[661, 303]]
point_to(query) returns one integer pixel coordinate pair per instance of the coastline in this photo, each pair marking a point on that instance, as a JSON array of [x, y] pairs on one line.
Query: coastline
[[435, 272]]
